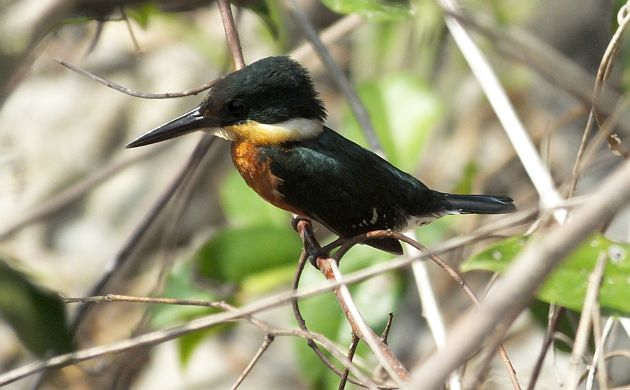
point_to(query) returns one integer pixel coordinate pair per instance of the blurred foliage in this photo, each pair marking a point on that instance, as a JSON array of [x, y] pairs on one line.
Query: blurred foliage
[[36, 315], [234, 254], [624, 54], [404, 111], [142, 13], [375, 10], [182, 283], [568, 283]]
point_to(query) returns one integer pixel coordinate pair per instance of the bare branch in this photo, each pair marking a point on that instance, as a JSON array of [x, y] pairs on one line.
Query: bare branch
[[388, 327], [551, 328], [264, 346], [353, 348], [357, 107], [231, 34], [600, 343], [448, 269], [131, 92]]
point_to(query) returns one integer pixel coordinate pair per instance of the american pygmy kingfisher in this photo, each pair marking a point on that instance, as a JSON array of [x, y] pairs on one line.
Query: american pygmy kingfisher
[[274, 118]]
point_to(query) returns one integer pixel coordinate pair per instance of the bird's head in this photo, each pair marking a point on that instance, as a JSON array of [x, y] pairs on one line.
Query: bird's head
[[271, 101]]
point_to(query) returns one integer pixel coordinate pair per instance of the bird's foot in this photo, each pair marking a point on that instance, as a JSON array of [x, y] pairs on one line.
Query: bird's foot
[[311, 246]]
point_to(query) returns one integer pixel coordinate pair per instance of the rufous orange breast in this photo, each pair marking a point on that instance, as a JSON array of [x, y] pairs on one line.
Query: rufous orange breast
[[256, 172]]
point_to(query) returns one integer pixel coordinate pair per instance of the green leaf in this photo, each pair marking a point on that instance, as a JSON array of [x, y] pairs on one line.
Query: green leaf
[[404, 111], [181, 283], [566, 286], [236, 253], [268, 13], [267, 280], [188, 343], [376, 10], [244, 207], [465, 185], [142, 13], [36, 314]]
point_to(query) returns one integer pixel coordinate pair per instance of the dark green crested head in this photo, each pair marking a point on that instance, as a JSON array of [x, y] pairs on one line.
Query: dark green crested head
[[272, 100], [270, 90]]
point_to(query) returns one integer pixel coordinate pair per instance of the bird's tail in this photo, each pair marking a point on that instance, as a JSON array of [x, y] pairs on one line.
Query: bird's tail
[[479, 204]]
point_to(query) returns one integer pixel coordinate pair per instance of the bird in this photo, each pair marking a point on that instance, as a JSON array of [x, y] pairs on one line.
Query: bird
[[274, 118]]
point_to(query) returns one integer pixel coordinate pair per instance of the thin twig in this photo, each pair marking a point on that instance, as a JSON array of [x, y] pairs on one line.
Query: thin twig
[[359, 110], [583, 331], [353, 348], [598, 337], [551, 328], [468, 291], [269, 337], [333, 33], [265, 327], [323, 265], [621, 353], [131, 92], [231, 34], [598, 355], [136, 45], [388, 327], [151, 300]]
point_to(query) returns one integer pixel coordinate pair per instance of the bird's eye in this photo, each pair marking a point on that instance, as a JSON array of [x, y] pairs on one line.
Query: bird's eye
[[237, 107]]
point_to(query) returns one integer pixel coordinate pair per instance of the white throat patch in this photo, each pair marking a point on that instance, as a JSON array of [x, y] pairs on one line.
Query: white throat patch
[[262, 133]]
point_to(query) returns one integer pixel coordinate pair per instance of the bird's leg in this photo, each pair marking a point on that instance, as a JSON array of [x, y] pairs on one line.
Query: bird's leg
[[311, 246], [335, 244]]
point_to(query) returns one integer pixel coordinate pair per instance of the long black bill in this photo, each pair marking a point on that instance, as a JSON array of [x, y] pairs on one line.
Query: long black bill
[[187, 123]]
